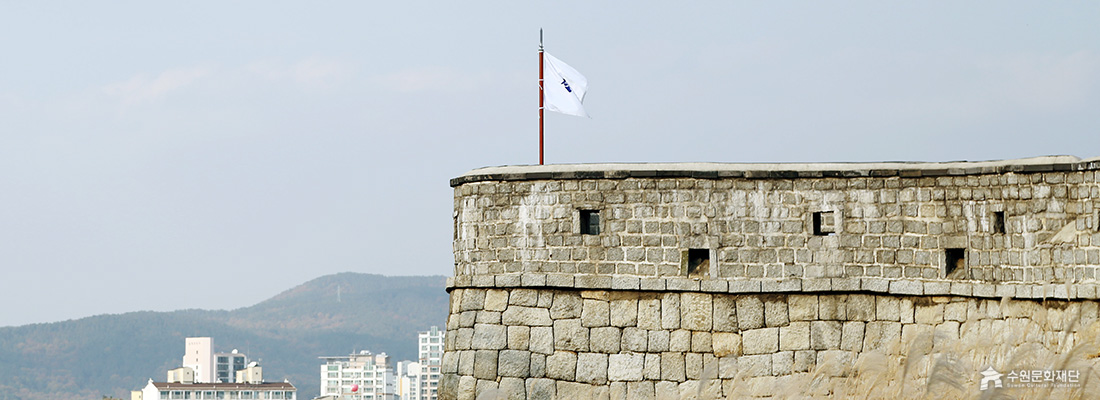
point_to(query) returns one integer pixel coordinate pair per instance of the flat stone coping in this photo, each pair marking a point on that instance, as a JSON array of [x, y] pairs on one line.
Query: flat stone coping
[[909, 287], [775, 170]]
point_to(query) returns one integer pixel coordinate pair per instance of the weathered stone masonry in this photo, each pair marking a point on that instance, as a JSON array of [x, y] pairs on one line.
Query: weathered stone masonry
[[644, 280]]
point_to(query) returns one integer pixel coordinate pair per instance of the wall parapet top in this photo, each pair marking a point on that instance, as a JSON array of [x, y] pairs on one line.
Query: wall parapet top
[[902, 286], [776, 170]]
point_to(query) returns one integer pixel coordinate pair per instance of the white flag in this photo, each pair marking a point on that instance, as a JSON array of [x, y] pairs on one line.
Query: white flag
[[563, 87]]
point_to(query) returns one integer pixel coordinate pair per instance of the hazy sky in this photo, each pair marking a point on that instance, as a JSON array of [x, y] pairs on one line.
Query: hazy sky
[[168, 155]]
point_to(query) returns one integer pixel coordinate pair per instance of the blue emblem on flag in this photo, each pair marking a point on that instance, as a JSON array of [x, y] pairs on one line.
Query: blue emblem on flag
[[566, 84]]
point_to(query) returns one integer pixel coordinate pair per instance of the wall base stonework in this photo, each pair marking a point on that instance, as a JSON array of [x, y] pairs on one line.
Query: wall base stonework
[[542, 342]]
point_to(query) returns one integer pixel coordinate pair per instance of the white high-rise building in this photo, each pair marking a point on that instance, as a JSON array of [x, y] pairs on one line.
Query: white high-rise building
[[210, 367], [198, 354], [431, 361], [362, 376], [408, 380]]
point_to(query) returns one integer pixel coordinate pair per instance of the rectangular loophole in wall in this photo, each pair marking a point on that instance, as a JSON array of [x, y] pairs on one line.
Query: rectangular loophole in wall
[[590, 222], [824, 223], [998, 222], [955, 260], [698, 262]]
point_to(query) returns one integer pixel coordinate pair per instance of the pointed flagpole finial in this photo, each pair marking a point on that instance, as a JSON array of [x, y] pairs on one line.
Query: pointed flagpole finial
[[540, 39]]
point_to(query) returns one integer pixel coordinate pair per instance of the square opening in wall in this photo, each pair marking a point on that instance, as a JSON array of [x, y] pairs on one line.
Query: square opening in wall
[[824, 223], [590, 222], [698, 262], [955, 260], [998, 222]]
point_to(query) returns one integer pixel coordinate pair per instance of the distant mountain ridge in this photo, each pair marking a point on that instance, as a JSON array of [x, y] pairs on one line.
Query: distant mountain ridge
[[331, 315]]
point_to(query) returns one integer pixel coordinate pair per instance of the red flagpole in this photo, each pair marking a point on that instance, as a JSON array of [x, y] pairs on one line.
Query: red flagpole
[[541, 97]]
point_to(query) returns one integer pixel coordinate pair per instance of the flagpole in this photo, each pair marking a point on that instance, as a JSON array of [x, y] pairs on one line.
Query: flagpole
[[541, 97]]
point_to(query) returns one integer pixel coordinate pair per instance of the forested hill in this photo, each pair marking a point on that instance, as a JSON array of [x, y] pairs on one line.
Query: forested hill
[[109, 355]]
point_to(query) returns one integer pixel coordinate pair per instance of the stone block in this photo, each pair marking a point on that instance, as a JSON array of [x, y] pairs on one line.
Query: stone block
[[473, 299], [861, 307], [701, 342], [466, 362], [573, 390], [679, 340], [652, 369], [667, 390], [693, 366], [906, 286], [649, 314], [750, 312], [825, 335], [559, 280], [845, 284], [566, 305], [670, 311], [775, 311], [487, 389], [905, 310], [756, 365], [519, 337], [569, 334], [561, 365], [658, 341], [604, 340], [929, 314], [489, 337], [725, 314], [795, 336], [524, 297], [879, 285], [487, 317], [467, 388], [527, 316], [625, 283], [696, 310], [618, 390], [672, 367], [851, 336], [640, 391], [624, 312], [592, 368], [881, 335], [484, 281], [802, 307], [938, 288], [804, 361], [514, 363], [538, 365], [887, 308], [533, 280], [832, 307], [714, 286], [654, 284], [744, 286], [466, 319], [783, 363], [450, 363], [542, 340], [464, 338], [625, 367], [507, 280], [512, 389], [485, 364], [634, 339], [726, 344], [682, 284], [541, 389], [727, 368], [955, 311], [817, 285], [595, 313], [592, 281], [760, 341], [496, 300]]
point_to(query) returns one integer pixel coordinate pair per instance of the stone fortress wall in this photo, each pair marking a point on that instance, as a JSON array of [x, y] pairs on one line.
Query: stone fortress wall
[[649, 280]]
